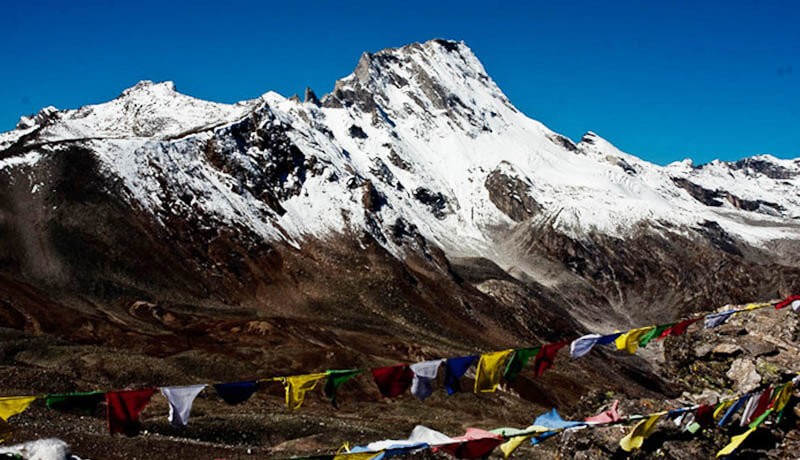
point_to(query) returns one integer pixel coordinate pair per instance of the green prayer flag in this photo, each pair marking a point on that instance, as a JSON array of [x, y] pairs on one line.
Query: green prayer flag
[[518, 362], [653, 334], [80, 402], [335, 379]]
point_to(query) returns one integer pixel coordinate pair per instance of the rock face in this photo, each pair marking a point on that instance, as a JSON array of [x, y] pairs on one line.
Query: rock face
[[412, 213]]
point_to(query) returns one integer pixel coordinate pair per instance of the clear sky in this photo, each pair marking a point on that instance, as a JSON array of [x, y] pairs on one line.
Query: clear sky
[[664, 80]]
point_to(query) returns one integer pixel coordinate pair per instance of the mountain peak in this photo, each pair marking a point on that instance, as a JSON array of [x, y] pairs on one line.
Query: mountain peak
[[151, 88], [420, 79]]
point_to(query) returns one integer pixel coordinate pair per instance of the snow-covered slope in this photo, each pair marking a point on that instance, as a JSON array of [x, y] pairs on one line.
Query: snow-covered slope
[[418, 141]]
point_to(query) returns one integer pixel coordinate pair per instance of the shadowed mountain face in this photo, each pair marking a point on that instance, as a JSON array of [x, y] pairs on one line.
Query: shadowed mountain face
[[412, 213]]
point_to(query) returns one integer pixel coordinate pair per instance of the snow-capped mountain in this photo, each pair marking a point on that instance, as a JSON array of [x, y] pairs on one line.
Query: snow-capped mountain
[[425, 136], [417, 151]]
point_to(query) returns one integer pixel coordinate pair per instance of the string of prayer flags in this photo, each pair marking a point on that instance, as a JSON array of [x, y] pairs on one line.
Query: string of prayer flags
[[337, 378], [180, 402], [713, 320], [424, 375], [547, 354], [490, 370], [394, 380], [639, 433], [518, 362], [583, 345], [297, 386], [455, 368], [629, 341], [794, 301], [124, 408], [13, 405], [79, 403], [607, 416], [236, 392]]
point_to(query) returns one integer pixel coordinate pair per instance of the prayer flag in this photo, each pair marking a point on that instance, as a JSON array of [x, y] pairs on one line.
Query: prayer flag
[[476, 443], [546, 356], [236, 392], [455, 368], [424, 375], [608, 416], [749, 409], [336, 378], [297, 386], [639, 433], [680, 328], [13, 405], [736, 441], [124, 408], [518, 362], [394, 380], [583, 345], [791, 300], [490, 370], [653, 334], [608, 339], [629, 341], [762, 404], [732, 410], [552, 421], [716, 319], [180, 402], [783, 397], [81, 402]]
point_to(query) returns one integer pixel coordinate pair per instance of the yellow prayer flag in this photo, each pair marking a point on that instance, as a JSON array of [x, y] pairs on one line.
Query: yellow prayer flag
[[630, 340], [298, 385], [490, 370], [735, 442], [639, 433], [357, 456], [512, 444], [783, 397], [13, 405]]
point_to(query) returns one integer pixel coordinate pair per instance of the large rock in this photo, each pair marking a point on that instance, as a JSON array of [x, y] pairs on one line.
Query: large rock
[[744, 375]]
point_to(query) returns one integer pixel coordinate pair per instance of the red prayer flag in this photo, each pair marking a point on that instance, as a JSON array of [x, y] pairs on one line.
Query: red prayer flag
[[680, 328], [786, 302], [475, 443], [124, 408], [704, 415], [547, 354], [393, 380], [763, 404]]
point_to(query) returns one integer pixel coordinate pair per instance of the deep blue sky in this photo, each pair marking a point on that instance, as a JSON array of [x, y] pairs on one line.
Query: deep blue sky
[[664, 80]]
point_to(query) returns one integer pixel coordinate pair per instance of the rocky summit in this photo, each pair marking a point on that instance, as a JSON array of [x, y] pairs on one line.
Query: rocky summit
[[412, 213]]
